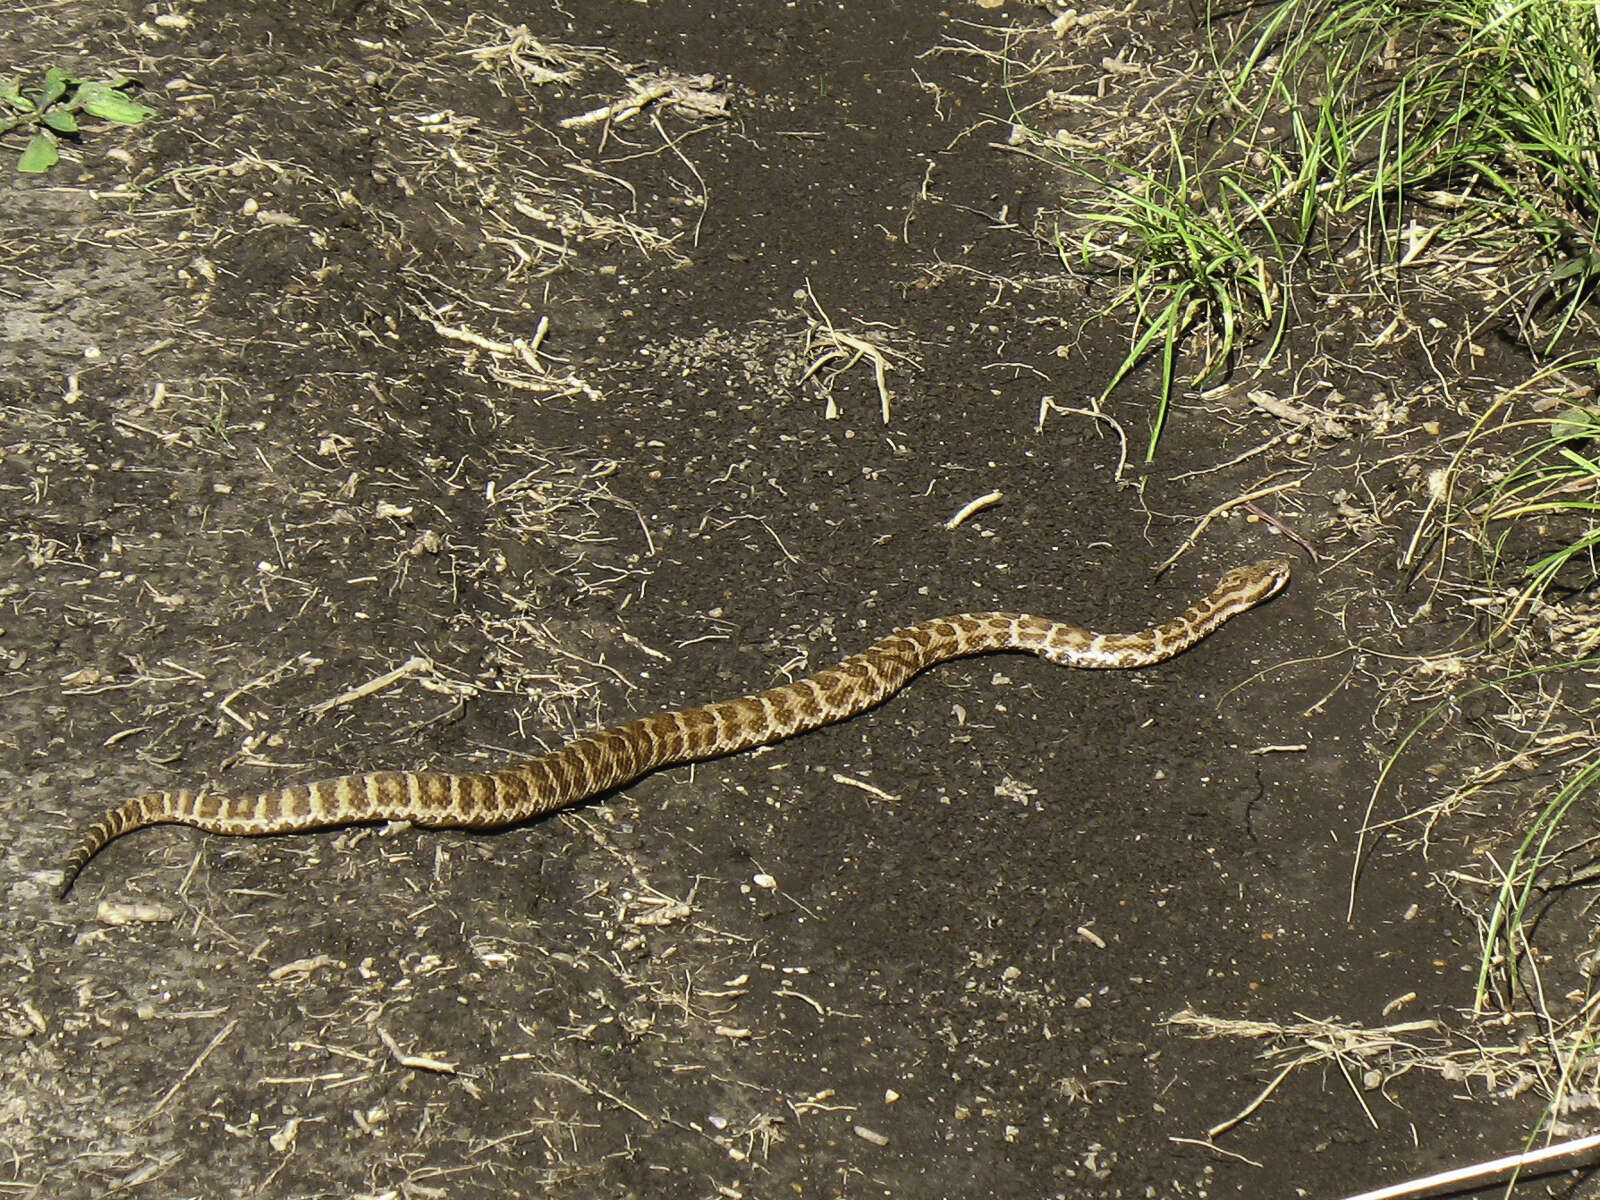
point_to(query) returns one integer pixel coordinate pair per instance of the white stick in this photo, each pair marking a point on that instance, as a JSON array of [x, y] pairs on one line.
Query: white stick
[[1479, 1170]]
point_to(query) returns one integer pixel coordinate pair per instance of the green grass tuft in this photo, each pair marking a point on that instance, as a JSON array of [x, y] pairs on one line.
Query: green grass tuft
[[1336, 129], [1192, 268]]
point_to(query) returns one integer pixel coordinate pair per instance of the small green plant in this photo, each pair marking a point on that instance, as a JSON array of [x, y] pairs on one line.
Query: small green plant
[[1193, 271], [52, 109], [1545, 503], [1507, 940]]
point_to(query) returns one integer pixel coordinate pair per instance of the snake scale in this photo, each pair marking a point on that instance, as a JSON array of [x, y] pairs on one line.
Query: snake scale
[[609, 758]]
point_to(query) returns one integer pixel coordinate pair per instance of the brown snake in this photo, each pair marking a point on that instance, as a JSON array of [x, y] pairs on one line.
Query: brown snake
[[609, 758]]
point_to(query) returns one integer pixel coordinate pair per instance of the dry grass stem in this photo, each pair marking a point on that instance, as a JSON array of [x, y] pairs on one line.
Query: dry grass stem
[[987, 500], [534, 61], [692, 96], [199, 1061], [416, 1062], [414, 665], [1248, 1109], [1369, 1057], [1048, 405], [864, 786], [826, 345], [1217, 511]]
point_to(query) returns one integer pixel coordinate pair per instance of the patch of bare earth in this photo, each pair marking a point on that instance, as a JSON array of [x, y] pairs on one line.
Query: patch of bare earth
[[432, 381]]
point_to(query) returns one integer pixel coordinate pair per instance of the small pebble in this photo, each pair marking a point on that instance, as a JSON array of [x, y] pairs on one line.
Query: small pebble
[[871, 1135]]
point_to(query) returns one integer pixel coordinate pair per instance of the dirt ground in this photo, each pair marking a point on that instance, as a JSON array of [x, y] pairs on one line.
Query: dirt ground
[[382, 343]]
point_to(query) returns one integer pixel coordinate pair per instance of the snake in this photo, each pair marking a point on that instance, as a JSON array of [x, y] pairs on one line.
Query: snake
[[610, 758]]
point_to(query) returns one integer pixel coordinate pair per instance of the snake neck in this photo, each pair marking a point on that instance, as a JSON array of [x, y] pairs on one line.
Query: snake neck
[[1171, 638]]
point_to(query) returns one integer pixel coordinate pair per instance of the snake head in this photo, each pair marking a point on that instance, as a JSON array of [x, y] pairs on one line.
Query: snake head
[[1249, 586]]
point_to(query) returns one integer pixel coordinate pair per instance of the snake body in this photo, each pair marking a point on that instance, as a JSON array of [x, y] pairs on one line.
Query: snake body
[[609, 758]]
